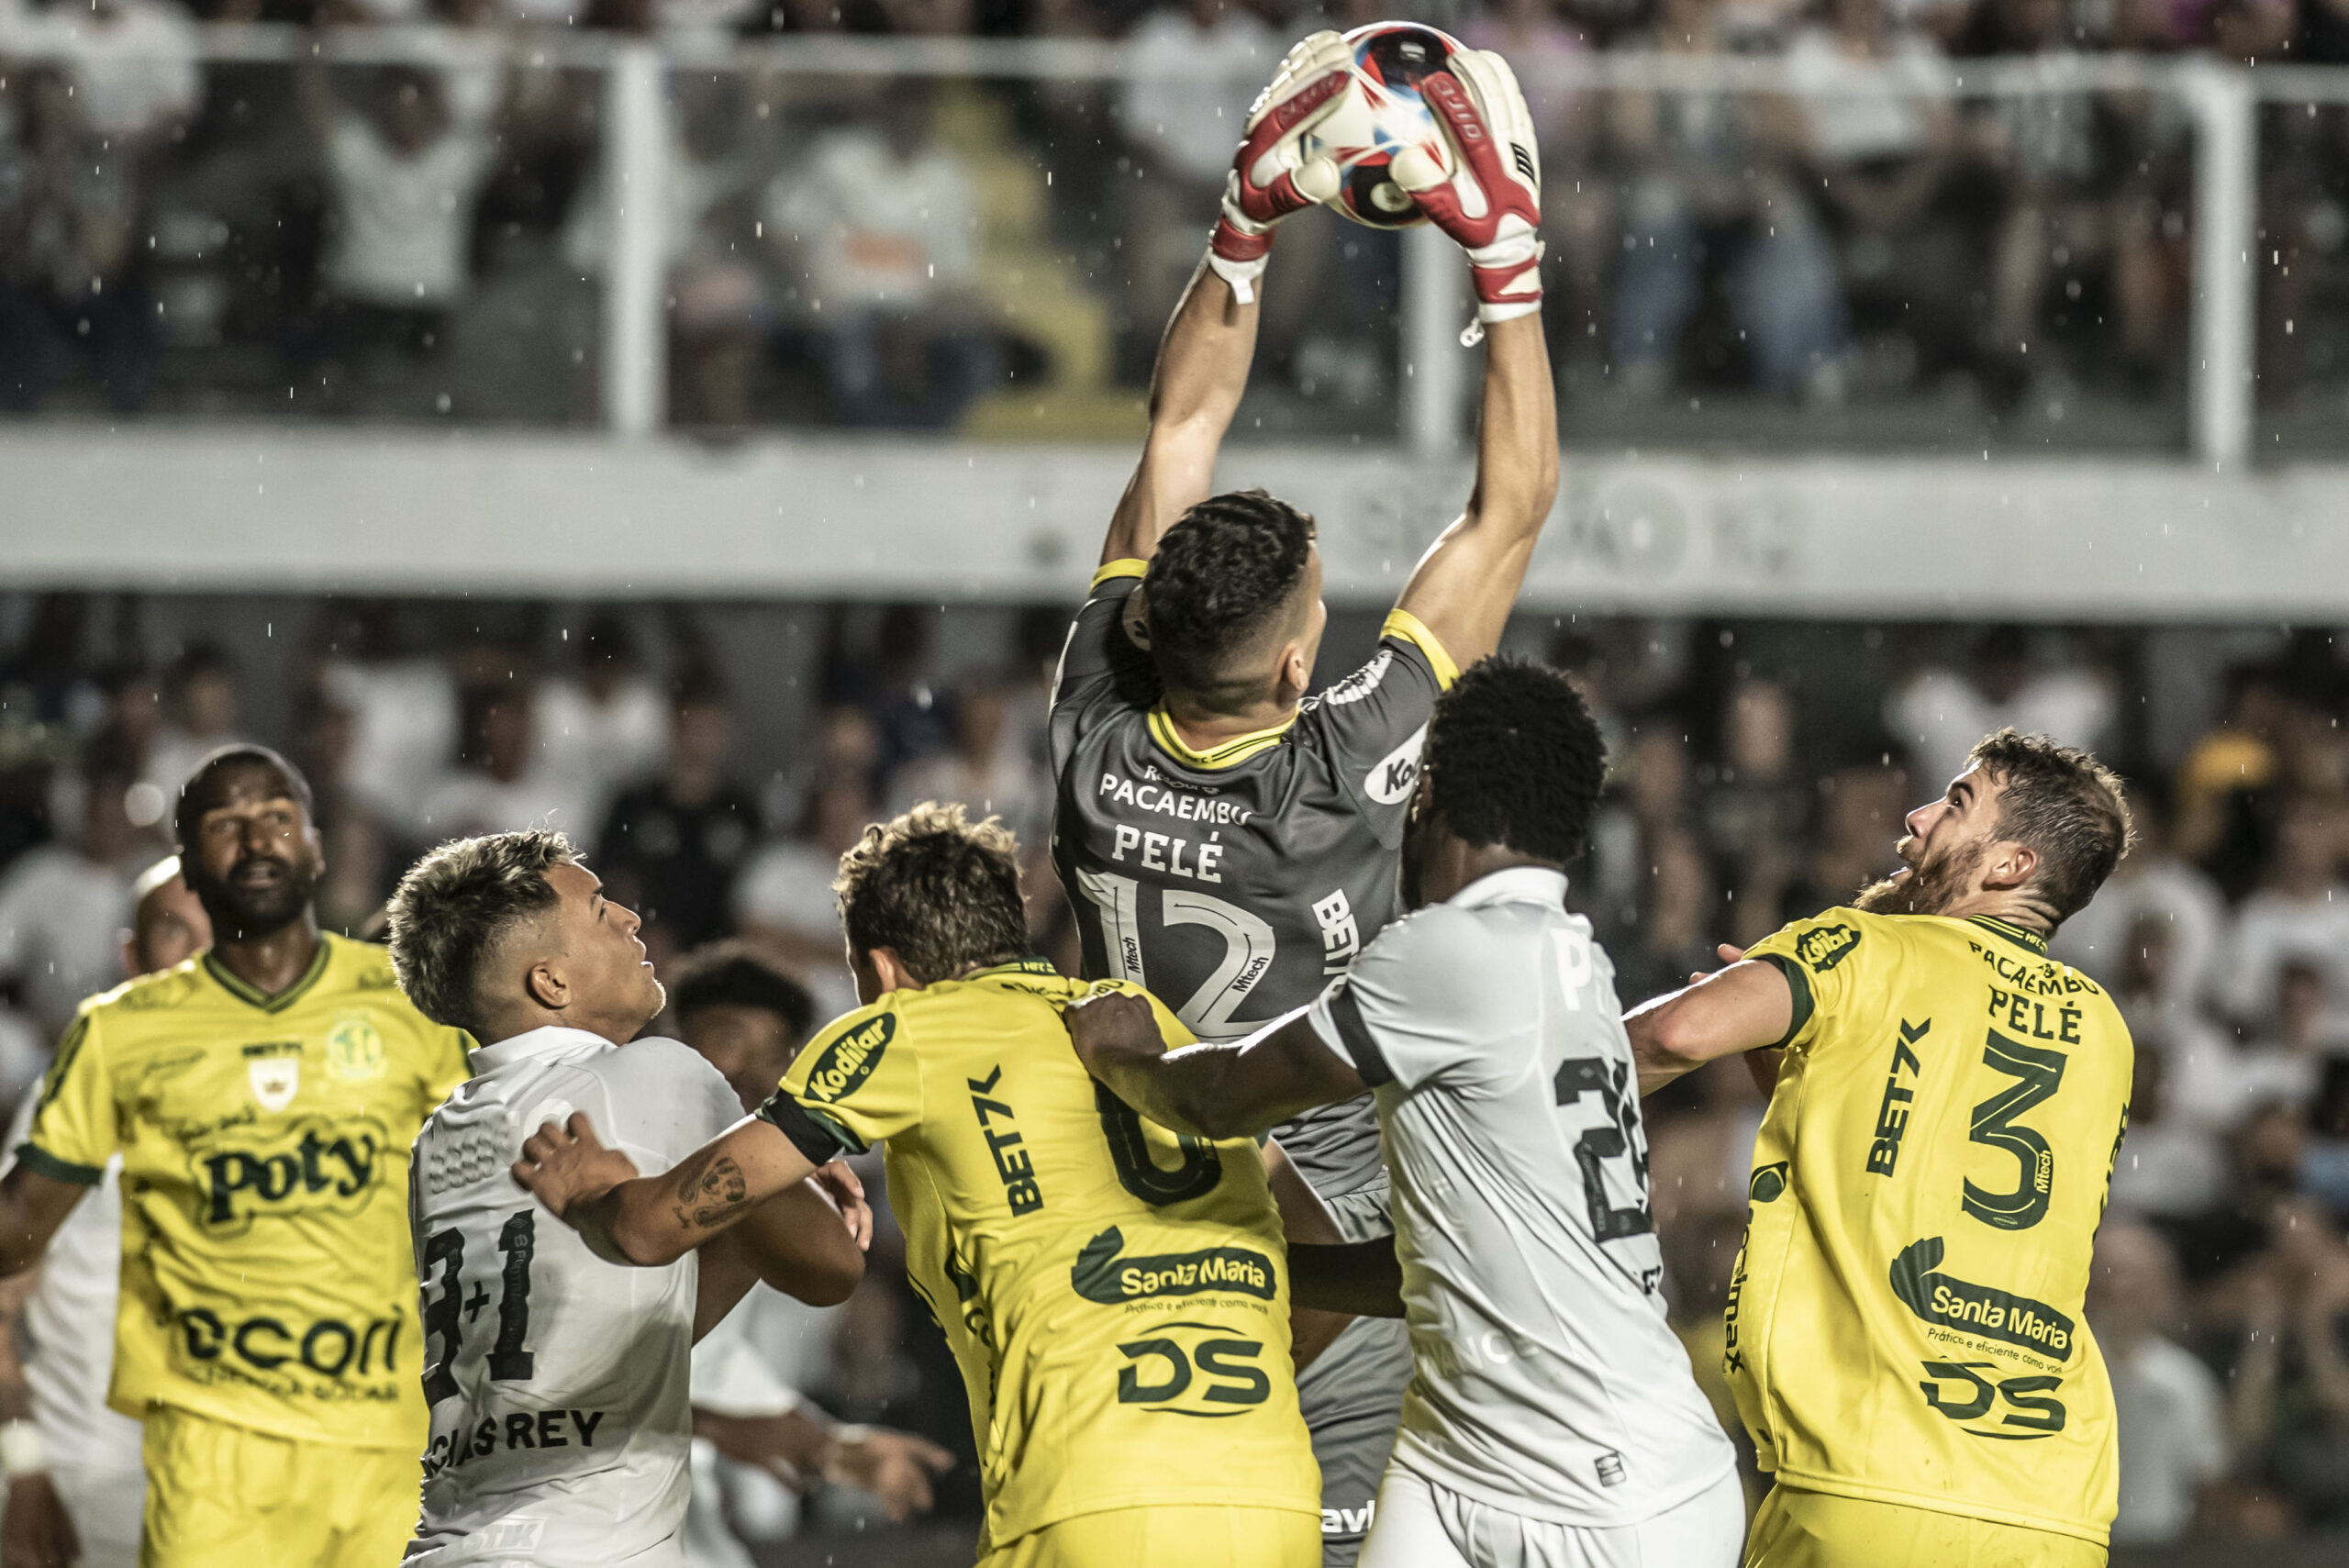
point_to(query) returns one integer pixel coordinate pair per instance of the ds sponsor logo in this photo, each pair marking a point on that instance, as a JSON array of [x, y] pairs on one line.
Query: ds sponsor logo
[[1192, 1369], [849, 1060]]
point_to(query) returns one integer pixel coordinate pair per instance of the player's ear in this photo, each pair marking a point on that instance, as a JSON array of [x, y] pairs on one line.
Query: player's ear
[[546, 987], [2011, 864], [891, 971]]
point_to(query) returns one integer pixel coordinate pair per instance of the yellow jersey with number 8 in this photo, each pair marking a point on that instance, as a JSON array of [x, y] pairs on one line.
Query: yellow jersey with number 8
[[1116, 1296], [1905, 1322]]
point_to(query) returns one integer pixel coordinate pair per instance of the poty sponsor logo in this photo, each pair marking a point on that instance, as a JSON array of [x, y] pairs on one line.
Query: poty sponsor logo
[[849, 1060]]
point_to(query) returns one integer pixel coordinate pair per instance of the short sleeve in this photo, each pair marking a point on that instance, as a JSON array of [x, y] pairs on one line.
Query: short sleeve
[[855, 1085], [74, 1130], [1815, 955], [666, 1100], [1373, 723], [1421, 1004], [1099, 662]]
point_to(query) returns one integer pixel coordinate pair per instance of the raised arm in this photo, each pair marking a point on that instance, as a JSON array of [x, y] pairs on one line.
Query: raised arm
[[1466, 585], [648, 1221], [1203, 360], [1747, 1006], [1210, 1090], [31, 1208]]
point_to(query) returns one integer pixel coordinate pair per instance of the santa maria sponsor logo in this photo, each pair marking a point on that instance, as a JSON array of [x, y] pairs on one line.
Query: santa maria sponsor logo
[[844, 1065], [1106, 1274], [251, 1170], [1183, 806], [1390, 780], [1980, 1310]]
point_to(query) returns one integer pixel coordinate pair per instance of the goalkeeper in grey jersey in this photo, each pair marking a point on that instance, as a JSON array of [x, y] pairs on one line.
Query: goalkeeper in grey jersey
[[1552, 1418], [1226, 839]]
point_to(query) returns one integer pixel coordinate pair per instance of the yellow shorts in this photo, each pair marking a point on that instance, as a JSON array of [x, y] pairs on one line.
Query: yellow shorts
[[226, 1496], [1816, 1530], [1181, 1537]]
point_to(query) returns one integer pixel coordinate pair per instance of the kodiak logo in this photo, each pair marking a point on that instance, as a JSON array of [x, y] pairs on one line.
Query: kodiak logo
[[1102, 1275], [312, 1165], [849, 1060], [1824, 947]]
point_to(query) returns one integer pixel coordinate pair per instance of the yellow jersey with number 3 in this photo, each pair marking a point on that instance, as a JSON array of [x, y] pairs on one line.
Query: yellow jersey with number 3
[[1116, 1296], [267, 1279], [1905, 1323]]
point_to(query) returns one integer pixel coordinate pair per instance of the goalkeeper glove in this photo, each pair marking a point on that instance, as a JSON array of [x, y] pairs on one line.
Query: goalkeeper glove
[[1270, 176], [1491, 203]]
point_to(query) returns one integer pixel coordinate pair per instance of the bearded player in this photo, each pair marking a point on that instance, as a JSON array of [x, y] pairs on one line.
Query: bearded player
[[1227, 840], [1905, 1331], [262, 1098]]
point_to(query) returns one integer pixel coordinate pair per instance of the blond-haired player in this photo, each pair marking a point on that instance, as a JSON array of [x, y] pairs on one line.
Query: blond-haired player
[[1906, 1338], [262, 1098]]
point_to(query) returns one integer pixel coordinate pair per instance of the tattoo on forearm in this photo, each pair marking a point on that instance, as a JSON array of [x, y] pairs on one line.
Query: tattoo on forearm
[[710, 1188]]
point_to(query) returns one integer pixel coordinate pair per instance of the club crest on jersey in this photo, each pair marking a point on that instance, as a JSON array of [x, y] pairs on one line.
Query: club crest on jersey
[[355, 1048], [1391, 780], [1824, 947], [275, 1081], [844, 1064]]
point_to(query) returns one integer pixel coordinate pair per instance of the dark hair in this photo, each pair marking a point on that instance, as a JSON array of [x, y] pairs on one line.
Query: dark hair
[[1514, 758], [194, 795], [698, 684], [1221, 579], [2065, 805], [457, 905], [728, 975], [941, 892]]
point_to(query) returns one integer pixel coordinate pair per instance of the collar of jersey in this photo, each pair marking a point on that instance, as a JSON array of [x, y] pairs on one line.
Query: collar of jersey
[[1516, 884], [1016, 966], [253, 997], [544, 1040], [1230, 753], [2032, 941]]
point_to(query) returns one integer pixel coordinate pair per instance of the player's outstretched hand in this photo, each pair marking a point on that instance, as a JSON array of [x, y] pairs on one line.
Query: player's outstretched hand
[[38, 1534], [1112, 1025], [846, 1190], [1269, 177], [894, 1466], [1729, 953], [1491, 202], [564, 1165]]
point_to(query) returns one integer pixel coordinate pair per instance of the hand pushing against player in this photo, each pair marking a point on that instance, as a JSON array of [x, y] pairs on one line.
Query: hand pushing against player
[[566, 1165], [1491, 203], [1112, 1030], [1270, 176]]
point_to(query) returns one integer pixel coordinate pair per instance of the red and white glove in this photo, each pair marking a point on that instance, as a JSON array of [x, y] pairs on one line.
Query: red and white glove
[[1270, 177], [1491, 203]]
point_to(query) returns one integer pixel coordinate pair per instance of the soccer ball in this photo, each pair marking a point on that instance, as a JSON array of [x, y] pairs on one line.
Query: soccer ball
[[1380, 118]]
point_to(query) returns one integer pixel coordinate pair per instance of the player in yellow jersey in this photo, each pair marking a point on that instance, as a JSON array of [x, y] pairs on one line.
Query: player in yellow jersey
[[1116, 1296], [1906, 1339], [263, 1097]]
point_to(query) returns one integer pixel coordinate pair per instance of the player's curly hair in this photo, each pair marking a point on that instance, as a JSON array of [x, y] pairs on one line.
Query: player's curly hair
[[1223, 579], [457, 905], [941, 891], [2065, 804], [1514, 758]]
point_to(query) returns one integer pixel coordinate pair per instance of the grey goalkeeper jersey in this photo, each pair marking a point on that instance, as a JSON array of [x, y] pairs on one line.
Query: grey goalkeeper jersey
[[559, 1385], [1547, 1382], [1238, 884]]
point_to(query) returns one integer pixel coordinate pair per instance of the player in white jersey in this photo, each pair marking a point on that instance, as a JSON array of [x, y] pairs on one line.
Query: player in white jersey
[[75, 1477], [1552, 1419], [559, 1383]]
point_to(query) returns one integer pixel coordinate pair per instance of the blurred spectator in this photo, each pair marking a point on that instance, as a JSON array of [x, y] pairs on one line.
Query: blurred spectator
[[2170, 1166], [881, 224], [671, 847], [607, 727], [2201, 1080], [2300, 914], [783, 900], [986, 767], [69, 273], [134, 71], [2228, 770], [1753, 810], [405, 725], [358, 860], [61, 908], [1942, 713], [1861, 809], [1710, 187], [2283, 1062], [2168, 1410], [501, 783], [2324, 1167], [2152, 883], [403, 172], [200, 705]]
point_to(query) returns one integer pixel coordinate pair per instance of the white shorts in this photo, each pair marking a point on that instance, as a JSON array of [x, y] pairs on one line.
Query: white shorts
[[106, 1506], [1421, 1525]]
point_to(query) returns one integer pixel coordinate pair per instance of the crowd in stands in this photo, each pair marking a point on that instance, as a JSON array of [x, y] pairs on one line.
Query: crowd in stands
[[427, 239], [715, 763]]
